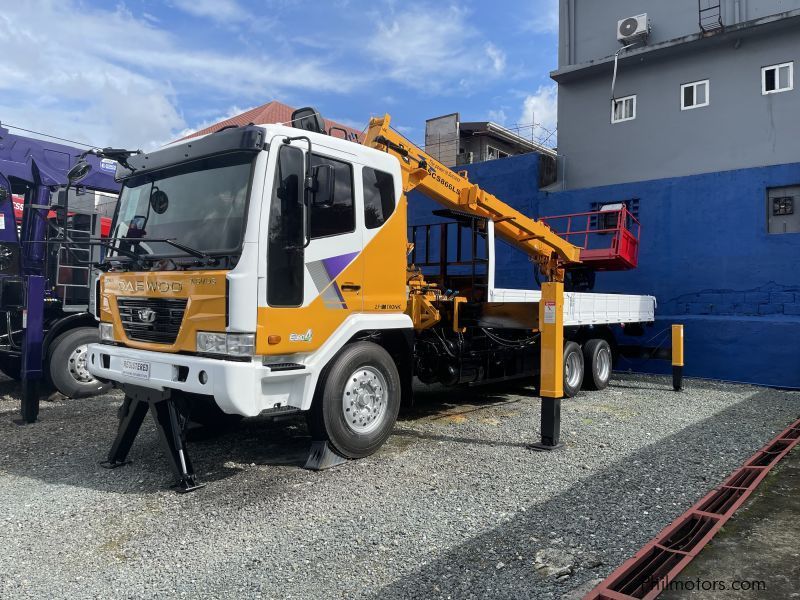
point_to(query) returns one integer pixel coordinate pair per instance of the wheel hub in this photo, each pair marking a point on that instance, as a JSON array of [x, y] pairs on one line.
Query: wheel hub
[[572, 371], [603, 364], [364, 400], [77, 365]]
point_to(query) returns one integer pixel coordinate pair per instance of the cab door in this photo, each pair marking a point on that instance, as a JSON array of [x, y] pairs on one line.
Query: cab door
[[334, 242], [314, 277]]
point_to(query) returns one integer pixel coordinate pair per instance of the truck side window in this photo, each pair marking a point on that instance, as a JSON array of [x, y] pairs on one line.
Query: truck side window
[[378, 197], [285, 254], [340, 217]]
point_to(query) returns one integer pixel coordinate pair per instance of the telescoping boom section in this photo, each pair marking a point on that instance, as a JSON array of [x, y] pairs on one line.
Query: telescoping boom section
[[264, 270]]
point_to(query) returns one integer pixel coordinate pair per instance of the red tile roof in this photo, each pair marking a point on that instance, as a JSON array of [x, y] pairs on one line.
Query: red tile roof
[[276, 112]]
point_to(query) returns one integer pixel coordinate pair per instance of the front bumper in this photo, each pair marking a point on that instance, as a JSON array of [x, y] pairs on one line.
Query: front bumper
[[242, 388]]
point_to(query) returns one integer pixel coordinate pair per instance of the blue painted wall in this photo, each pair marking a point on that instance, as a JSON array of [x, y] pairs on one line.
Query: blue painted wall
[[705, 254]]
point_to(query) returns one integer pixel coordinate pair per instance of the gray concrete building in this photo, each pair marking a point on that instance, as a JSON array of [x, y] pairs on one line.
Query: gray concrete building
[[454, 142], [703, 87]]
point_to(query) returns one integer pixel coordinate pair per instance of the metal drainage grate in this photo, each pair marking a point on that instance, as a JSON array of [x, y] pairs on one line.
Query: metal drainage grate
[[645, 575]]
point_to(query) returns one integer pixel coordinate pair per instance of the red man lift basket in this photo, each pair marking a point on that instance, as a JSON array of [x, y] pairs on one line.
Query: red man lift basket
[[608, 238]]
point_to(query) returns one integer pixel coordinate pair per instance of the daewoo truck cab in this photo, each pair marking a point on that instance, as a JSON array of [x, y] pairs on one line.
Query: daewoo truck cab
[[264, 270]]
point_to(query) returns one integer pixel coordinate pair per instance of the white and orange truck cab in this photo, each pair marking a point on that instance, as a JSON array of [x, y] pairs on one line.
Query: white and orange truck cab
[[265, 270]]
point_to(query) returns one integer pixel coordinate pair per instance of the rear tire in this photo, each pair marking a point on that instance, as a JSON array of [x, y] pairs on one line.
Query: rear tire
[[67, 364], [573, 369], [597, 361], [357, 400]]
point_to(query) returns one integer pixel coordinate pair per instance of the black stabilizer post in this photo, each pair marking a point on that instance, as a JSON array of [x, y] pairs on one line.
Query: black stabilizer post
[[677, 377], [170, 433], [29, 406], [131, 415], [550, 425]]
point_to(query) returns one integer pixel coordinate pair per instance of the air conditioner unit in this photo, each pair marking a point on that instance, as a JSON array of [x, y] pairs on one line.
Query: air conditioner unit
[[632, 28]]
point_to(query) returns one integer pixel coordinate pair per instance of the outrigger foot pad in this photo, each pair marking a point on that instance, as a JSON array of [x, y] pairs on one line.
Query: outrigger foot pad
[[322, 456], [107, 464], [188, 484], [542, 447]]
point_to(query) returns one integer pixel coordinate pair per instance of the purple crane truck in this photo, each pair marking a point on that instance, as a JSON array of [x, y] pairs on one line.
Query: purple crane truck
[[46, 282]]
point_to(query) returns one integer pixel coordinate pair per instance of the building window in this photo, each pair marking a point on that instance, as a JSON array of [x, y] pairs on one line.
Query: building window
[[694, 95], [782, 206], [781, 216], [623, 109], [493, 153], [777, 78]]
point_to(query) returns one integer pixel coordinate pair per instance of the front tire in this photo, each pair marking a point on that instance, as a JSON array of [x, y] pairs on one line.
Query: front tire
[[357, 400], [573, 369], [67, 364]]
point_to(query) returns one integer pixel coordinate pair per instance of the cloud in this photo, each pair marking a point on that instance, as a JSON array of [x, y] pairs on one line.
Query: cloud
[[223, 11], [498, 116], [119, 84], [541, 110], [213, 119], [497, 56], [433, 49], [545, 19]]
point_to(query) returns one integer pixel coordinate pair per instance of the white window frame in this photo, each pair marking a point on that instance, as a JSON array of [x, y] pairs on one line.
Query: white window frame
[[777, 68], [694, 85], [624, 99], [498, 152]]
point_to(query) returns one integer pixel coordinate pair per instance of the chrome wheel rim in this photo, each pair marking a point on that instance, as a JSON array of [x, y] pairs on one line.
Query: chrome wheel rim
[[603, 364], [77, 365], [572, 370], [364, 400]]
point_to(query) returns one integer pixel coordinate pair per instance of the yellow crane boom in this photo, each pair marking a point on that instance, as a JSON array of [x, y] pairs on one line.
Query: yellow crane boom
[[551, 252], [420, 171]]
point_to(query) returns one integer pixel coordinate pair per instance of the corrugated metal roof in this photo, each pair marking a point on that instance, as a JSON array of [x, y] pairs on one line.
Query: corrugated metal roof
[[276, 112]]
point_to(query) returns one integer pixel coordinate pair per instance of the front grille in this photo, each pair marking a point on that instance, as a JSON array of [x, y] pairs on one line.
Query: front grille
[[163, 329]]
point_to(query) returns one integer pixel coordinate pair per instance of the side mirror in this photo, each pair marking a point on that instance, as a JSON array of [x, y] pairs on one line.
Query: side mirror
[[308, 119], [78, 171], [323, 184]]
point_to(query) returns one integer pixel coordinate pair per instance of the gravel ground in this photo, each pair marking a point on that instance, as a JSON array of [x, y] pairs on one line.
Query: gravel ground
[[454, 506]]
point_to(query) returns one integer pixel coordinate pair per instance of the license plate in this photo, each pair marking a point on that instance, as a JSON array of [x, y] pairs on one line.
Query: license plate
[[136, 368]]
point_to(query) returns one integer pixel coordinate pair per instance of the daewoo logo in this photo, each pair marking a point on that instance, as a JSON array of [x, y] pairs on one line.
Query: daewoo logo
[[162, 287], [146, 315]]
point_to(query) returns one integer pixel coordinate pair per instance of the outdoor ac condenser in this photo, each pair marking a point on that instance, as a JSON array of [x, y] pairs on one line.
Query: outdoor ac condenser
[[632, 28]]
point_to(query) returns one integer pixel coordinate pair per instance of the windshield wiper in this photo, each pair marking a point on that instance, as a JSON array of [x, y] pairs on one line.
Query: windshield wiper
[[207, 258]]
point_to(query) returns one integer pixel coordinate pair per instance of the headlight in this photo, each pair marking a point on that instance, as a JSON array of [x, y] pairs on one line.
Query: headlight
[[107, 332], [232, 344]]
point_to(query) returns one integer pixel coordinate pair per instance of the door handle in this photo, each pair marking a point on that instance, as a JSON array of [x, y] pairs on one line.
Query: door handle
[[350, 287]]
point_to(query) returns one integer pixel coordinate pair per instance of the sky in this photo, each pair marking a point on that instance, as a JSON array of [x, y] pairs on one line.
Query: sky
[[141, 73]]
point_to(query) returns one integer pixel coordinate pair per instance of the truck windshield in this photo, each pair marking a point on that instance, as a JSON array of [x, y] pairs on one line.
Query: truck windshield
[[202, 205]]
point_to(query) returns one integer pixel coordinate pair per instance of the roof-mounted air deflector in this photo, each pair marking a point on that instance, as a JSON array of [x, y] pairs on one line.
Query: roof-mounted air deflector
[[249, 138], [308, 119]]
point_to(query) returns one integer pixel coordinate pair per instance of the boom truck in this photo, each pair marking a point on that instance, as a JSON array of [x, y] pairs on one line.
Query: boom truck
[[266, 272], [45, 284]]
